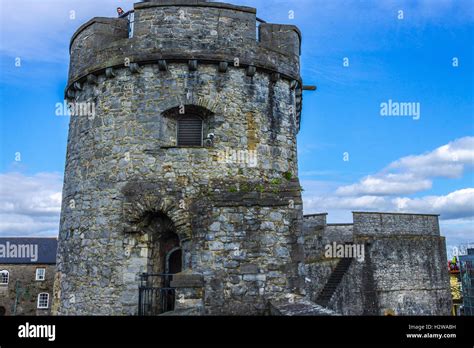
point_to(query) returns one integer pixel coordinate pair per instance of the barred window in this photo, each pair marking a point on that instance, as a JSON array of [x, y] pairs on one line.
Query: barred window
[[4, 277], [43, 300], [189, 130], [40, 273]]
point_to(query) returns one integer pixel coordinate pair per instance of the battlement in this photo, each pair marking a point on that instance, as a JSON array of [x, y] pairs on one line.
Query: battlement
[[314, 221], [380, 224], [183, 30], [375, 223]]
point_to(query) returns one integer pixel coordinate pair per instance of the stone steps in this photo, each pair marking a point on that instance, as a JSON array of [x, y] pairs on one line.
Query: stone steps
[[333, 282]]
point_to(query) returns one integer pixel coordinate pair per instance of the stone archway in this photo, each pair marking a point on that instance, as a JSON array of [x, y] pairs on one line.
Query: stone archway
[[164, 258], [203, 105], [143, 200], [163, 240]]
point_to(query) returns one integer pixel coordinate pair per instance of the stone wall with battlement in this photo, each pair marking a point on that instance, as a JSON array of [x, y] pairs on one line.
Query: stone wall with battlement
[[200, 32], [384, 224], [403, 271]]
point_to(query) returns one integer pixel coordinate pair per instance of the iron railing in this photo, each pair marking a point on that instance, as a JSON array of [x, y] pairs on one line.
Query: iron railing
[[130, 15], [155, 295]]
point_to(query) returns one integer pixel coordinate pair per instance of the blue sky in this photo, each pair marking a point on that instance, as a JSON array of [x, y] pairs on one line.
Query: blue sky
[[394, 163]]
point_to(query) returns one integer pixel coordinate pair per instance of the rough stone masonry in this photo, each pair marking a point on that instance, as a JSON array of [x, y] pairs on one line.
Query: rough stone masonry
[[150, 188]]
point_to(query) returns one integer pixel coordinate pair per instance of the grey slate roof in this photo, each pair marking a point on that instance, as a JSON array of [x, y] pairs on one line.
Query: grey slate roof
[[28, 250]]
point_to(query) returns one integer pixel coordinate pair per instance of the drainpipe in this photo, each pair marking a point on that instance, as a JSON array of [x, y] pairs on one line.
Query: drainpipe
[[17, 295]]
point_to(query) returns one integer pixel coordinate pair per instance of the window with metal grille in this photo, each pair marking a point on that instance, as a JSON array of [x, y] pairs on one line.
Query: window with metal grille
[[4, 275], [43, 300], [189, 130]]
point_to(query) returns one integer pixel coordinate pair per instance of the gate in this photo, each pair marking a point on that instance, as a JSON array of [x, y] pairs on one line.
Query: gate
[[155, 296]]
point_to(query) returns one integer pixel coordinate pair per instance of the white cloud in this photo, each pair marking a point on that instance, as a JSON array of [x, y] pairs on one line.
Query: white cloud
[[415, 173], [326, 203], [387, 189], [456, 210], [447, 161], [386, 184], [455, 205], [30, 205]]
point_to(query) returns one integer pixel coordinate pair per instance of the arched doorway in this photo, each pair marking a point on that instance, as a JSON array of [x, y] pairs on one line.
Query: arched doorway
[[174, 261], [164, 260], [163, 239], [2, 311], [173, 265]]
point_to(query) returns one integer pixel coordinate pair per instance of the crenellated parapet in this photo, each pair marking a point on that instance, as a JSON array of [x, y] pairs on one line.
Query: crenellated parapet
[[394, 224], [194, 32]]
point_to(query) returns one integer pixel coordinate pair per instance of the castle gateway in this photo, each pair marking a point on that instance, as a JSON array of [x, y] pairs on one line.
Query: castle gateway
[[181, 193]]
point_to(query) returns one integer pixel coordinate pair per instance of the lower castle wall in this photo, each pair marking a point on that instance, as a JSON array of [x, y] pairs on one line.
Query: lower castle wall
[[243, 260], [244, 244], [399, 276], [317, 274], [352, 297], [410, 275], [403, 273]]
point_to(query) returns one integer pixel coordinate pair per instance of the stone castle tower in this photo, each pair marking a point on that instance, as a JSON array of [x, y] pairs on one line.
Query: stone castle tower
[[188, 163], [181, 189]]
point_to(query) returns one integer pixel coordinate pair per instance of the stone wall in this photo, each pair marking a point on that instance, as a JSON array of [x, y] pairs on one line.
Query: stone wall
[[381, 224], [23, 288], [339, 233], [404, 268], [403, 271], [313, 234]]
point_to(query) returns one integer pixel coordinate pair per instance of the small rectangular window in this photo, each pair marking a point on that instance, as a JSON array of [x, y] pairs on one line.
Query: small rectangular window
[[43, 300], [4, 277], [40, 273]]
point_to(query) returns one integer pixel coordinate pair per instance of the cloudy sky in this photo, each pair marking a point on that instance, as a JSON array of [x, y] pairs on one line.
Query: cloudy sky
[[360, 54]]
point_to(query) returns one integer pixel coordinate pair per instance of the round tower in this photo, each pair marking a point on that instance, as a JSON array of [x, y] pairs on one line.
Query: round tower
[[181, 171]]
